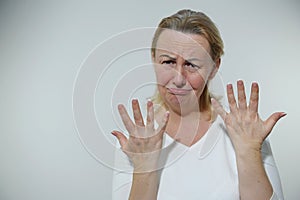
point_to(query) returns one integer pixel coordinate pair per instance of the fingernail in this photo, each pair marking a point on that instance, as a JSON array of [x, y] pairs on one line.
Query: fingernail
[[229, 85], [120, 106], [166, 115], [134, 101], [113, 133], [255, 84], [213, 101], [149, 102], [283, 114]]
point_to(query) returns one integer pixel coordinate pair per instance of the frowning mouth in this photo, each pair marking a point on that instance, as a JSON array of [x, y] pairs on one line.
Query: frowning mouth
[[178, 91]]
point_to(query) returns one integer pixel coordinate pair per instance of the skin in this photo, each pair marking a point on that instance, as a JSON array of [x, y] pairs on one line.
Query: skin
[[183, 67], [143, 151], [180, 87], [247, 132]]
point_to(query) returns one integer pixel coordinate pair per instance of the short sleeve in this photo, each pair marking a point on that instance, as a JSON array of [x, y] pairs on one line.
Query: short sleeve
[[274, 197], [122, 176], [121, 185]]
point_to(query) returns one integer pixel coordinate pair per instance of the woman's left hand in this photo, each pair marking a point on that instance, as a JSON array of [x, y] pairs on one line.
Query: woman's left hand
[[244, 125]]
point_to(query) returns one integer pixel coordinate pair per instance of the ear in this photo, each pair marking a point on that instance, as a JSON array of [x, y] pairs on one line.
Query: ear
[[216, 69]]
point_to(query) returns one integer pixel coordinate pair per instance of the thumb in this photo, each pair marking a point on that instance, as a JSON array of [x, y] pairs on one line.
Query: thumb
[[218, 108], [162, 127], [121, 138], [273, 119]]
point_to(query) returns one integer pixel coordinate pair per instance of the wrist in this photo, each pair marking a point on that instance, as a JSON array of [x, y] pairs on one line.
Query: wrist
[[249, 159], [147, 179], [145, 185], [248, 153], [146, 164], [145, 174], [246, 150]]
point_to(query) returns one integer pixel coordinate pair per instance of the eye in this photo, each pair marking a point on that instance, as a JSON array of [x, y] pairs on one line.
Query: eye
[[168, 62], [191, 67]]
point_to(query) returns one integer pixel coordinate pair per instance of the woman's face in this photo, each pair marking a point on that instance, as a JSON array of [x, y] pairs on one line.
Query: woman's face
[[182, 66]]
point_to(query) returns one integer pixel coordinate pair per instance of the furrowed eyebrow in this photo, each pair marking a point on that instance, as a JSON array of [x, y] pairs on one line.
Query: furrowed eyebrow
[[188, 60], [170, 57], [193, 59]]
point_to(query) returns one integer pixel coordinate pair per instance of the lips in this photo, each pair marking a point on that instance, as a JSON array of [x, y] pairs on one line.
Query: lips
[[177, 91]]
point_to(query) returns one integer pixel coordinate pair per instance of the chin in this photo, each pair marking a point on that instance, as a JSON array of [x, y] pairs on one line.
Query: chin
[[181, 104]]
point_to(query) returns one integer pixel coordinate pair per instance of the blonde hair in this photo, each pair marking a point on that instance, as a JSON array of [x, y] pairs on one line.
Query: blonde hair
[[192, 22]]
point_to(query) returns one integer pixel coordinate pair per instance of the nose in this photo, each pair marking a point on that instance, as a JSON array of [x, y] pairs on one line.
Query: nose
[[179, 78]]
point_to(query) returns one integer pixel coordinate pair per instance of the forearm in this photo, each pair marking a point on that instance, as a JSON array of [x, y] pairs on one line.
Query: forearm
[[144, 186], [253, 180]]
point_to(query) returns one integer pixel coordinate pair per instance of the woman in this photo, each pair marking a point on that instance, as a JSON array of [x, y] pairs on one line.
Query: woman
[[226, 154]]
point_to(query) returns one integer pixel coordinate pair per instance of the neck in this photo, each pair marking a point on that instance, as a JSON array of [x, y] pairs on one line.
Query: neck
[[188, 129]]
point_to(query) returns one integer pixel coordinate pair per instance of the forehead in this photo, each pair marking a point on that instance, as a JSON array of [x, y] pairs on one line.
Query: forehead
[[182, 44]]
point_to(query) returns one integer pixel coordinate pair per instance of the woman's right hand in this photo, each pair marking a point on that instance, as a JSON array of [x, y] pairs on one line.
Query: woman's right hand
[[145, 142]]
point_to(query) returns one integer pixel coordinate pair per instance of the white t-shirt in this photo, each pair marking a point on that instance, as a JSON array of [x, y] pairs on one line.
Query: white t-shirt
[[207, 170]]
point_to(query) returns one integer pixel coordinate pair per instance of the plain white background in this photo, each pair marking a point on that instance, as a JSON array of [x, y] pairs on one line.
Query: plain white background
[[43, 43]]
